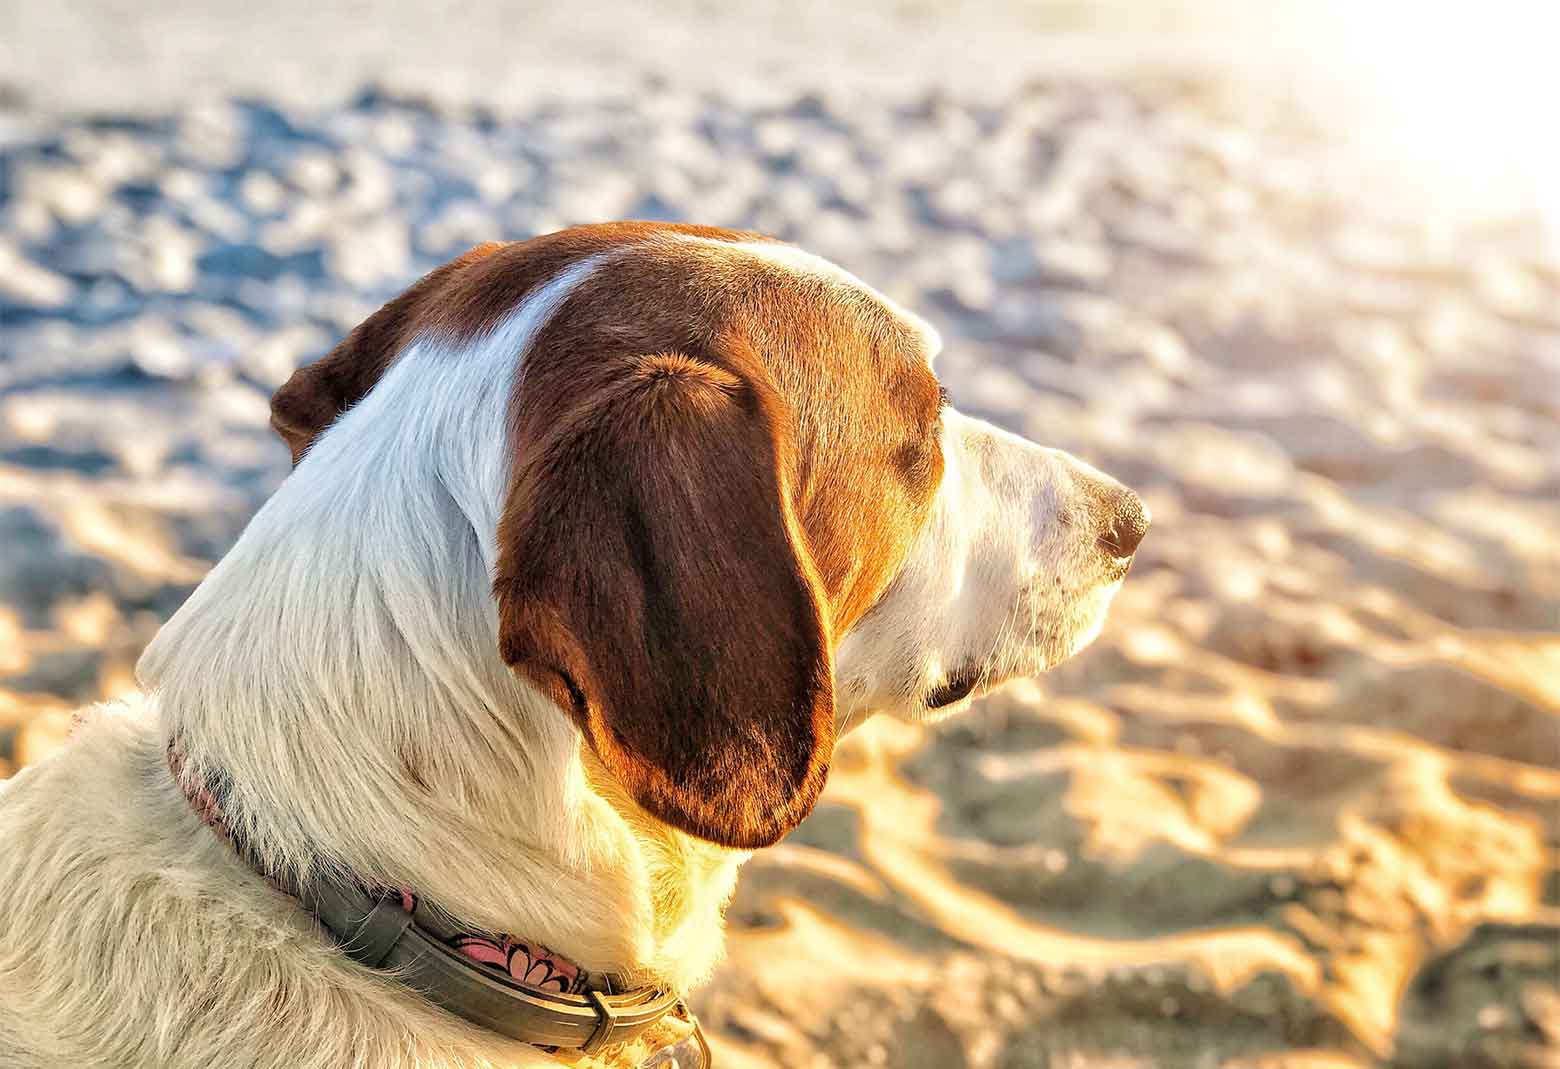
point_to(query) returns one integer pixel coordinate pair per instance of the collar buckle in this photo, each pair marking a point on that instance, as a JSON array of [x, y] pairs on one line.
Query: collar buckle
[[606, 1031]]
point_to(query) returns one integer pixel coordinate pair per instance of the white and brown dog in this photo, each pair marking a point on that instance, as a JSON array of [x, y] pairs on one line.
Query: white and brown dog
[[593, 545]]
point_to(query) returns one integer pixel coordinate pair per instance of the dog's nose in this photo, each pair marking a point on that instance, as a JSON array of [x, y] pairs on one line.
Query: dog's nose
[[1128, 522]]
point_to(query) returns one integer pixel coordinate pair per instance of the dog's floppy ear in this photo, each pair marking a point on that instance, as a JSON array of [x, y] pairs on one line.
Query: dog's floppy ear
[[652, 581], [317, 393]]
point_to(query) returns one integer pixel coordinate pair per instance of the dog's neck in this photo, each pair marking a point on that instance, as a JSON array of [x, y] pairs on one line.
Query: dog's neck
[[340, 667]]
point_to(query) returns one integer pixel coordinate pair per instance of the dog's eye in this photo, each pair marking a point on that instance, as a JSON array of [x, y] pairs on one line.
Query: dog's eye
[[943, 400]]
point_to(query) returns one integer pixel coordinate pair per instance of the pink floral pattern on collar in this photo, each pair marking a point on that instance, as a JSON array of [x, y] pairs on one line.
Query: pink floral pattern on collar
[[534, 966], [526, 962]]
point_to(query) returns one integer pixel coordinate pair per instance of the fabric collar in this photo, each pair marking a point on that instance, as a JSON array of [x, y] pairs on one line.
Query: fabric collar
[[514, 987]]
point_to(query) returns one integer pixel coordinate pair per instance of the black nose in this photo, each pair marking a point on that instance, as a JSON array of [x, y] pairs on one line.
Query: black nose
[[1128, 523]]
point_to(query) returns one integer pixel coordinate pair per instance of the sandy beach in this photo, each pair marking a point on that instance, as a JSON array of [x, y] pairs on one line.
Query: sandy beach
[[1298, 806]]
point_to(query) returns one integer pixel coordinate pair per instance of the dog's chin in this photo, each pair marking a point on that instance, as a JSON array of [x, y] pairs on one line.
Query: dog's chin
[[957, 690]]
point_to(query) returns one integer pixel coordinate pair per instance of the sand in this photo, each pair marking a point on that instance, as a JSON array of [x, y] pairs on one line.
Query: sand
[[1298, 806]]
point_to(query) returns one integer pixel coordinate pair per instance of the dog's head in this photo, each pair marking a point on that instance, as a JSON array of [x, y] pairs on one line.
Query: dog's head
[[738, 509]]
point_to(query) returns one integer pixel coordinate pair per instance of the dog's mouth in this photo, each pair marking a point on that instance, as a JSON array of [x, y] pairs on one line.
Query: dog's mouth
[[954, 689]]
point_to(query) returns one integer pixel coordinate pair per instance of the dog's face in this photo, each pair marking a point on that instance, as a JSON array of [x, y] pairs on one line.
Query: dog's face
[[738, 511], [1012, 572]]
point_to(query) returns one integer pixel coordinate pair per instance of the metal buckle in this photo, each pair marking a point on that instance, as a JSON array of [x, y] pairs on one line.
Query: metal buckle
[[603, 1035], [698, 1035]]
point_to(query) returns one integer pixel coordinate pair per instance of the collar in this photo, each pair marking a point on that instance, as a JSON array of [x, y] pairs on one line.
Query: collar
[[516, 988]]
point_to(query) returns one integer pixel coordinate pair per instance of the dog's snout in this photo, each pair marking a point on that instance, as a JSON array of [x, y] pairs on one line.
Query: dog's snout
[[1126, 522]]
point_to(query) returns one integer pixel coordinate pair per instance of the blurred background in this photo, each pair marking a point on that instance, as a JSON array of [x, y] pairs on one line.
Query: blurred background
[[1291, 269]]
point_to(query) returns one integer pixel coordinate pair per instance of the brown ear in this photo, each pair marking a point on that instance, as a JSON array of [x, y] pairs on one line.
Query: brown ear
[[651, 581], [317, 393]]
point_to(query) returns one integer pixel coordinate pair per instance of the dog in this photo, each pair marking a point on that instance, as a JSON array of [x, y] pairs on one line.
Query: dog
[[593, 546]]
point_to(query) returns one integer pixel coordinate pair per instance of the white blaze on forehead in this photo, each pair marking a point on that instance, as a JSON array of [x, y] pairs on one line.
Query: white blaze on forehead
[[804, 262]]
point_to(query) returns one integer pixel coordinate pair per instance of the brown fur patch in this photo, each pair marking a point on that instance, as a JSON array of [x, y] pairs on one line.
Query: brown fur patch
[[637, 533]]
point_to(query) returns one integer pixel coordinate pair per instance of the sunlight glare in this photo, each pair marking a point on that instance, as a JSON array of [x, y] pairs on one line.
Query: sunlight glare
[[1458, 98]]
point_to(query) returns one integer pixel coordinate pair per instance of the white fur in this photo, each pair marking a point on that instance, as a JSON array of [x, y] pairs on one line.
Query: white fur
[[340, 664]]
